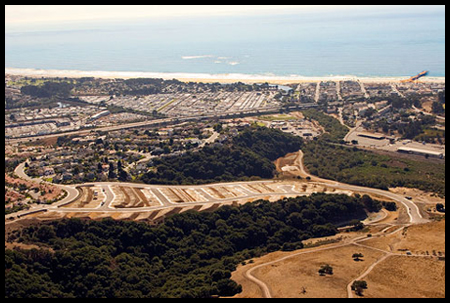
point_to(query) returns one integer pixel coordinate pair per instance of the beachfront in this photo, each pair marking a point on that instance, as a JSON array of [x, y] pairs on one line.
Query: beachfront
[[207, 78]]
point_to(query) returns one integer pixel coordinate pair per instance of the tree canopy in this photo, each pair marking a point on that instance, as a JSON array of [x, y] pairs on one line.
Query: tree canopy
[[248, 156], [189, 255]]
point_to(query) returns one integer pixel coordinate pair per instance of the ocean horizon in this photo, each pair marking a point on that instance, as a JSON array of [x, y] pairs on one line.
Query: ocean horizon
[[355, 44]]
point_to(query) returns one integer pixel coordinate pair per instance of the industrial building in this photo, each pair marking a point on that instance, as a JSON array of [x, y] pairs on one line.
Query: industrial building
[[423, 152], [372, 135], [100, 114]]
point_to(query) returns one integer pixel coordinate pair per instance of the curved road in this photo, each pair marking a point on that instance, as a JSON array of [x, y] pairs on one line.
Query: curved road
[[72, 193], [414, 218]]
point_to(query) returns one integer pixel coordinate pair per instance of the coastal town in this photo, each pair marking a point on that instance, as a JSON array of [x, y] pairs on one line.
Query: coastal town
[[98, 119], [111, 102], [225, 151], [146, 150]]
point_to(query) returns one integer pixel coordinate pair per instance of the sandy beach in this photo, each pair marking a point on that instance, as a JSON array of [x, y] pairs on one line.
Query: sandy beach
[[204, 77]]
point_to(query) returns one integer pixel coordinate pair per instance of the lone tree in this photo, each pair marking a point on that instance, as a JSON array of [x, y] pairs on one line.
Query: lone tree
[[326, 270], [358, 286], [357, 225], [357, 256], [440, 207]]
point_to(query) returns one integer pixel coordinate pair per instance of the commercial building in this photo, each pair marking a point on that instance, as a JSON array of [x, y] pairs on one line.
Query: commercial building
[[100, 114], [372, 135], [423, 152]]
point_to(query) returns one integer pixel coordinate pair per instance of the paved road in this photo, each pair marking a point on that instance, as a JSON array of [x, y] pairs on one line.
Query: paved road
[[173, 120], [427, 113], [413, 211], [414, 218], [411, 208]]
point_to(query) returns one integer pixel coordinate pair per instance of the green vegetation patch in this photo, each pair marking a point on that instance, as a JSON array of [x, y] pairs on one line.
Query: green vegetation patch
[[277, 117], [327, 159], [248, 156], [360, 167], [335, 131], [189, 255]]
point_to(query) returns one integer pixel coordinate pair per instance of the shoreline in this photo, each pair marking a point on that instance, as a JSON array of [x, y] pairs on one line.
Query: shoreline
[[205, 77]]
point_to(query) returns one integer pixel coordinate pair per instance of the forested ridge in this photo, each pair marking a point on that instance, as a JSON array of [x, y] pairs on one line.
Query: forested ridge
[[190, 255], [248, 156]]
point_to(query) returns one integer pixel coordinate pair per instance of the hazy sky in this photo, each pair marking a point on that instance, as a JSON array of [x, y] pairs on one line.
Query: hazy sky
[[27, 16], [15, 14], [53, 13]]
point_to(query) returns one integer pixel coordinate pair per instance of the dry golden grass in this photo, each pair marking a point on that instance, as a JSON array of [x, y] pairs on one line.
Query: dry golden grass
[[418, 239], [396, 276], [287, 278], [407, 277]]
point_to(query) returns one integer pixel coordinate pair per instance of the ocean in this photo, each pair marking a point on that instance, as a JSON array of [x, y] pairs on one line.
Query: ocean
[[360, 43]]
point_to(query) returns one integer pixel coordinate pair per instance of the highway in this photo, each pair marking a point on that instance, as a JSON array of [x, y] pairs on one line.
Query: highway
[[165, 121]]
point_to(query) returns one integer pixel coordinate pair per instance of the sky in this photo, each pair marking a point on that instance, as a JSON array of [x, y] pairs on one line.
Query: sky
[[15, 14], [30, 15]]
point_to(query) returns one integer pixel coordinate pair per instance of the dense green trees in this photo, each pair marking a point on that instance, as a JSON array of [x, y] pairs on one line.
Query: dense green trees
[[325, 270], [268, 143], [211, 164], [334, 130], [358, 286], [189, 255], [360, 167], [48, 89], [249, 155]]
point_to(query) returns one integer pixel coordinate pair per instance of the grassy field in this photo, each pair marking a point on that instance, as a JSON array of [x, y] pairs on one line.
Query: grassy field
[[283, 117], [37, 82]]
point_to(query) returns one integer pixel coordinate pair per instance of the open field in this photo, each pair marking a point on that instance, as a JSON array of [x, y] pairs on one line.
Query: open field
[[411, 277], [420, 239], [421, 274], [286, 278]]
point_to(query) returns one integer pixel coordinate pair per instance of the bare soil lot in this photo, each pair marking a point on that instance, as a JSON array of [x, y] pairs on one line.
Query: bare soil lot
[[89, 197]]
